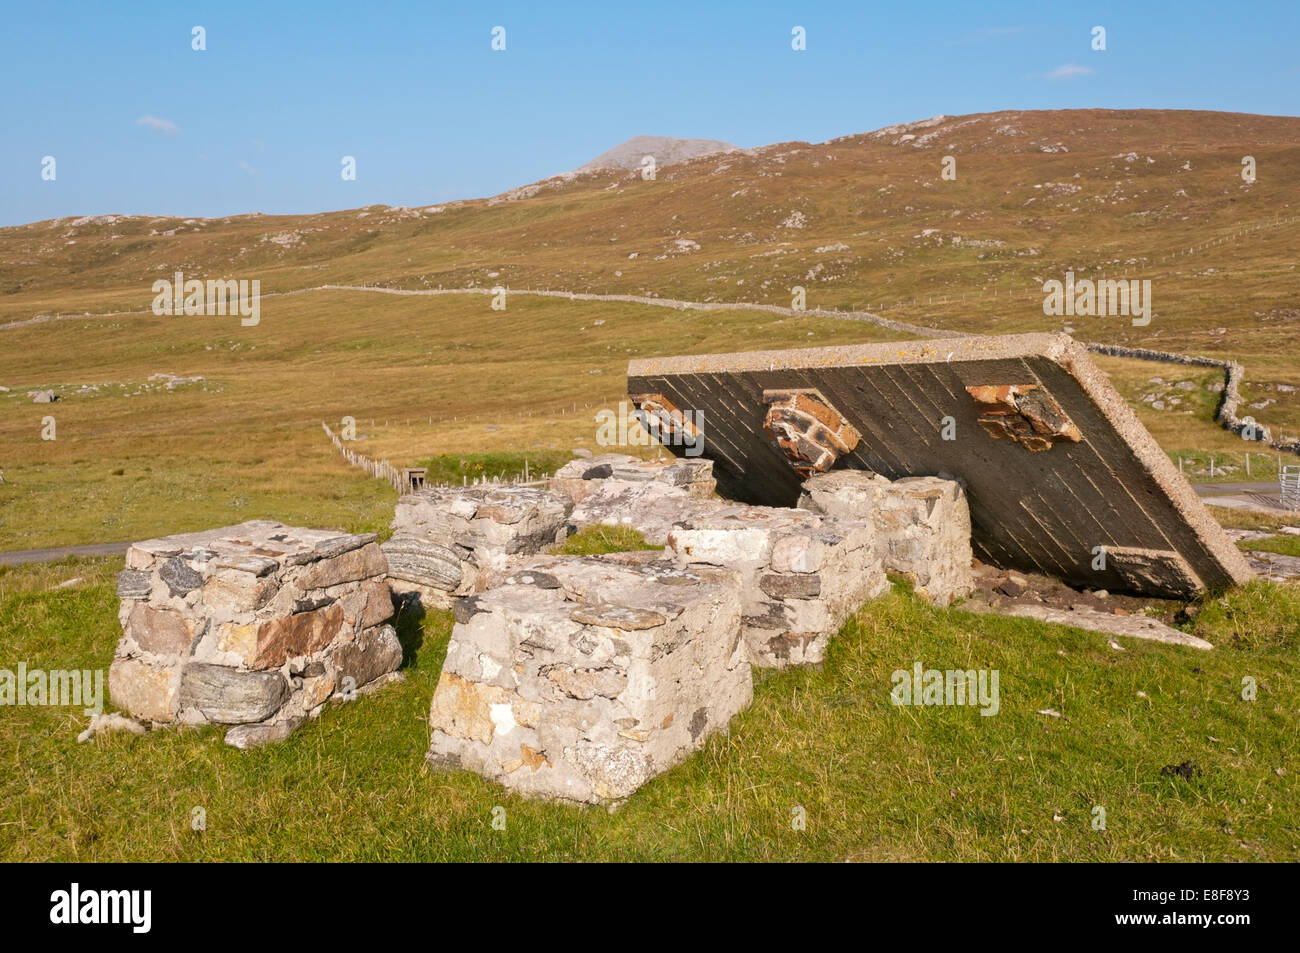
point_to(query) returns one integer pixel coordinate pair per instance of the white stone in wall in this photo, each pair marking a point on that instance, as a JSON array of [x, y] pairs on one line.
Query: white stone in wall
[[650, 508], [578, 479]]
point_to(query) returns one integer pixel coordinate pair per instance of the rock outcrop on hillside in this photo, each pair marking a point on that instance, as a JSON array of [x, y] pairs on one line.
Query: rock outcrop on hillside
[[665, 149]]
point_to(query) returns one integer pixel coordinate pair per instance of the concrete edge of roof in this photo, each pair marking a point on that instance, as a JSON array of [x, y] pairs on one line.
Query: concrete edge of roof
[[974, 348], [1076, 359]]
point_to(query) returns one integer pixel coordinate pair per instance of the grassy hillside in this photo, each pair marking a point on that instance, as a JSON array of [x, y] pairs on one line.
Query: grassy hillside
[[167, 425], [864, 221], [134, 459]]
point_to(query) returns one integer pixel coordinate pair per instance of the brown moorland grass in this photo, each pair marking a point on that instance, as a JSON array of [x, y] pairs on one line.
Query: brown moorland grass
[[421, 377], [1104, 193]]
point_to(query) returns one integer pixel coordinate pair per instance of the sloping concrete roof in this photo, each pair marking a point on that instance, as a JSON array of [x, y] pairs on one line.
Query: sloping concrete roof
[[1050, 477]]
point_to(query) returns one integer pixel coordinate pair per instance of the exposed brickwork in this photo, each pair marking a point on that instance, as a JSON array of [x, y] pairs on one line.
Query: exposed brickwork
[[1024, 413], [673, 424], [812, 433], [1104, 483]]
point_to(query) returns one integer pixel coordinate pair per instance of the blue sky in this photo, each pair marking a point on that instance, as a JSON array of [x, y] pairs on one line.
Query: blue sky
[[140, 123]]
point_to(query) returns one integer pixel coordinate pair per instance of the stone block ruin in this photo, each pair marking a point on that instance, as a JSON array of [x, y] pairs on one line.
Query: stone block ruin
[[581, 478], [922, 525], [583, 677], [255, 626], [445, 539], [801, 574]]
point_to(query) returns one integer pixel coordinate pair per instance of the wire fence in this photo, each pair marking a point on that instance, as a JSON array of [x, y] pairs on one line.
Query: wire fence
[[399, 480], [380, 469]]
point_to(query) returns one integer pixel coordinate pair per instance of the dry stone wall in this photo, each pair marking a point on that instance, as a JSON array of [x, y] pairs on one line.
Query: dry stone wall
[[652, 509], [580, 678], [583, 677], [648, 496], [255, 626], [578, 479], [445, 538], [802, 574], [922, 525]]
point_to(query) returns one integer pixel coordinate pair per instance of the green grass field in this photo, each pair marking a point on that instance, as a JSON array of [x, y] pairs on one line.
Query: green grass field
[[877, 782], [445, 383], [1284, 545]]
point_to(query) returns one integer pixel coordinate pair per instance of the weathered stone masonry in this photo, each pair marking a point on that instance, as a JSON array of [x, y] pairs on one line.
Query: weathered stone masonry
[[801, 574], [444, 539], [254, 626], [583, 677], [1055, 466]]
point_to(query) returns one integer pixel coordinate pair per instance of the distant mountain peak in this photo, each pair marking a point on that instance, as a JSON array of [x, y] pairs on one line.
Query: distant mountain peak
[[665, 149]]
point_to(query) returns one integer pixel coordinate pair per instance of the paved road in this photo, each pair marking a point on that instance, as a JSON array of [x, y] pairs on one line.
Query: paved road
[[1259, 497], [1215, 489], [20, 556]]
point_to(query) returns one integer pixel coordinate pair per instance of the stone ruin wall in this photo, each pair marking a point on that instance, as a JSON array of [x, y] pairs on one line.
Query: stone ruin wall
[[571, 677], [254, 626]]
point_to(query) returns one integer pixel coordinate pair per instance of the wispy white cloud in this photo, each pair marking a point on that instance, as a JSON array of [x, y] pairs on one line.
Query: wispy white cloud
[[1069, 71], [983, 36], [247, 168], [158, 125]]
